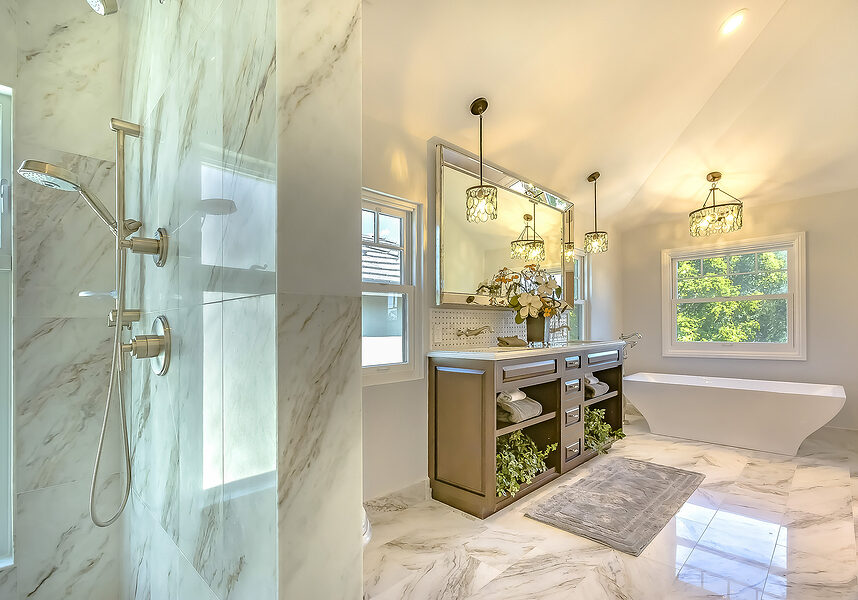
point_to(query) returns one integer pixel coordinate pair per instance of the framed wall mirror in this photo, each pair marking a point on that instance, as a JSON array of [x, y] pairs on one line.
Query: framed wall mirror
[[468, 254]]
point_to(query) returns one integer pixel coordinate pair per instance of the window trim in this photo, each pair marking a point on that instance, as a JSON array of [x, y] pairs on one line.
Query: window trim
[[795, 349], [412, 369]]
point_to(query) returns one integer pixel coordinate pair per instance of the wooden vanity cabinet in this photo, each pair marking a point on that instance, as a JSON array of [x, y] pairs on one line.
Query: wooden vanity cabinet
[[463, 425]]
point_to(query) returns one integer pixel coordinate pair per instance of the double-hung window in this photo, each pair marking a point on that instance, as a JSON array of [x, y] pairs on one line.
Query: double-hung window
[[743, 300], [390, 268], [578, 317]]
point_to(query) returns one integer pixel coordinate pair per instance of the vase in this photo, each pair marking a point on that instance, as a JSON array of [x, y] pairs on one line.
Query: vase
[[537, 330]]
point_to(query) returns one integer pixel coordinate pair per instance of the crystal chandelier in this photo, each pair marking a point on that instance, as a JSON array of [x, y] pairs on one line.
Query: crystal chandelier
[[595, 241], [482, 200], [716, 218], [529, 246], [568, 235]]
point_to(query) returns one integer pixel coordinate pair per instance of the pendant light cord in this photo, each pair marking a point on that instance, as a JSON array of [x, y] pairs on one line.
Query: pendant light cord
[[595, 207], [481, 149]]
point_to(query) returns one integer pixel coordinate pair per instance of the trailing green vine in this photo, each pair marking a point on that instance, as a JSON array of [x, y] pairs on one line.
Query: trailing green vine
[[518, 462], [598, 433]]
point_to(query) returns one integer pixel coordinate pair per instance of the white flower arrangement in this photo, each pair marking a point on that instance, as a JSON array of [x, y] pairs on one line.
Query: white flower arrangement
[[530, 293]]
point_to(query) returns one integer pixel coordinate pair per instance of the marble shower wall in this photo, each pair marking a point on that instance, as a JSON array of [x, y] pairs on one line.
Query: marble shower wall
[[318, 289], [199, 77], [61, 61]]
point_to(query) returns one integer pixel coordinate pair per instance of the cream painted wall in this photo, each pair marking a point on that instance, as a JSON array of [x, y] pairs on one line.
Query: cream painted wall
[[395, 416], [832, 320]]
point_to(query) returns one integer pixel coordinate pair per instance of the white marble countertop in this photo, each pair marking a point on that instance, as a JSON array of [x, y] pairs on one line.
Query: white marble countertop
[[499, 353]]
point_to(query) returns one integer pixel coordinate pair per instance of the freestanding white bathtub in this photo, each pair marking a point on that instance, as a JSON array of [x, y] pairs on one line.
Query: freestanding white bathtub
[[773, 416]]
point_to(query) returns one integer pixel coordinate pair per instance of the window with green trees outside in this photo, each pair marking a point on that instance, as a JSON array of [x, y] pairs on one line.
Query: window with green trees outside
[[741, 301]]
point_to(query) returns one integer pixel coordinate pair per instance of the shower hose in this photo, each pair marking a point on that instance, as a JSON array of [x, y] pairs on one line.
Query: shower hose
[[115, 378]]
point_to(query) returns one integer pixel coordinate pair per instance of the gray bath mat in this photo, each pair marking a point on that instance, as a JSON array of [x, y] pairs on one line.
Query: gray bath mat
[[622, 503]]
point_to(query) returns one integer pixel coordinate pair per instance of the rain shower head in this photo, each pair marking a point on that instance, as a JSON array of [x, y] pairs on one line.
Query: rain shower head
[[58, 178], [104, 7]]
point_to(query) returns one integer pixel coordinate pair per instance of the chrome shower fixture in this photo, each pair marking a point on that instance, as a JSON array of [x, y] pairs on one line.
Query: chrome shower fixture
[[58, 178], [156, 345], [103, 7]]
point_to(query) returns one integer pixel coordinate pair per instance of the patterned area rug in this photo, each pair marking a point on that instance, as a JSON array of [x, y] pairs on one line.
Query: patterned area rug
[[623, 503]]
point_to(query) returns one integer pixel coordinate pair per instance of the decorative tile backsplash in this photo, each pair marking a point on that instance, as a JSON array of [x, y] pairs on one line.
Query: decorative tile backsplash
[[445, 322]]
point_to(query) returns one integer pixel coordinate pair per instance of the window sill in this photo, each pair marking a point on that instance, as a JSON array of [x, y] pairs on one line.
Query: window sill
[[373, 376], [735, 353]]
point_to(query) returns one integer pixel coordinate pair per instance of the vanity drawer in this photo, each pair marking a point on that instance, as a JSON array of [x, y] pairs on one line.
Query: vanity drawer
[[571, 416], [571, 386], [573, 362], [531, 369], [601, 358], [572, 451]]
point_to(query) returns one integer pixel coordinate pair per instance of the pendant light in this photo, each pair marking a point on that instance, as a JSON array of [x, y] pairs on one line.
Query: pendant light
[[717, 218], [595, 241], [482, 200], [529, 245], [569, 236]]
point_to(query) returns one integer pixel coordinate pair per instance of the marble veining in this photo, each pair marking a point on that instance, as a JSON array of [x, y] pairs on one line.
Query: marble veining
[[319, 453], [59, 400], [729, 540]]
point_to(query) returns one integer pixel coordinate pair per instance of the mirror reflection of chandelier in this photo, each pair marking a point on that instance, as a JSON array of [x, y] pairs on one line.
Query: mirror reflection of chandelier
[[529, 246]]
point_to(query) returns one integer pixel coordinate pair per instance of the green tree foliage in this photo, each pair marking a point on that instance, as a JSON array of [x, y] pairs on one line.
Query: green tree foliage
[[726, 277]]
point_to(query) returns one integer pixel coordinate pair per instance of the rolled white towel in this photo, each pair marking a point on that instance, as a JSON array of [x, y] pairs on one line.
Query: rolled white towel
[[512, 396], [591, 378], [516, 411]]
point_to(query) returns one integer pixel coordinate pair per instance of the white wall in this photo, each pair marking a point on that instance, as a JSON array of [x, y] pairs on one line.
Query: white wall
[[832, 320], [395, 416]]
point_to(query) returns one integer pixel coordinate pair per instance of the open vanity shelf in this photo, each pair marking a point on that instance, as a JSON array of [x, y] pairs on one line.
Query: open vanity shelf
[[464, 425]]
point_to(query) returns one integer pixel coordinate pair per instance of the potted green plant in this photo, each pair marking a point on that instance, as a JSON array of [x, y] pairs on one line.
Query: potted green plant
[[518, 461], [599, 435]]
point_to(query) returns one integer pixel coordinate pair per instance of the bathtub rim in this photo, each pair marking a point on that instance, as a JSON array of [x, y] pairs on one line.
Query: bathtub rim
[[748, 385]]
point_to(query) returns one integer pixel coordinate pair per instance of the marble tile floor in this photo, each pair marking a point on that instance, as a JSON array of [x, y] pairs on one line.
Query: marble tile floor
[[760, 527]]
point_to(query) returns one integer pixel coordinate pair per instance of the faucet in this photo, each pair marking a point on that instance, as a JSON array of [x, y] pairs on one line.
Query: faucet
[[631, 341], [474, 331], [559, 329]]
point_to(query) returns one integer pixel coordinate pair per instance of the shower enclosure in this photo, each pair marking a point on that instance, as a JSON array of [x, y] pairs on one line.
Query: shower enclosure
[[245, 457]]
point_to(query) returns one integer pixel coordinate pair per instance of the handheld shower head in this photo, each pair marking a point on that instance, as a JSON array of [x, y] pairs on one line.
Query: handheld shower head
[[49, 175], [58, 178], [104, 7]]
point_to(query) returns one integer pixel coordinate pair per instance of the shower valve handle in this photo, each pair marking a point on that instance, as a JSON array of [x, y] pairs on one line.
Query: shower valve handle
[[156, 246], [145, 346]]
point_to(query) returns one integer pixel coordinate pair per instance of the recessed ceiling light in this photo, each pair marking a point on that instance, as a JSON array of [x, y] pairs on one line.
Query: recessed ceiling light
[[733, 21]]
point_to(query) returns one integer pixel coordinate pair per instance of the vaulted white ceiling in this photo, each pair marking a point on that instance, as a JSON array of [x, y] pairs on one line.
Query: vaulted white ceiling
[[649, 93]]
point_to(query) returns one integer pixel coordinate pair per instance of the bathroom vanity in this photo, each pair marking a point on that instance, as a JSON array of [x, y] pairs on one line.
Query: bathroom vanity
[[463, 423]]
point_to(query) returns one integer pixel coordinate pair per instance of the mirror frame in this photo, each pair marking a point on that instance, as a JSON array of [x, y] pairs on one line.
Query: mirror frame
[[447, 155]]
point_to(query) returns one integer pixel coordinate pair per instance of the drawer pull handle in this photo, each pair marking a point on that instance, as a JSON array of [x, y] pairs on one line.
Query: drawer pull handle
[[573, 385], [603, 357], [573, 362], [534, 369], [573, 450], [573, 415]]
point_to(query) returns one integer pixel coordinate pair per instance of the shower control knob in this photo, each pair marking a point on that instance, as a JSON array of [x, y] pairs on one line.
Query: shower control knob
[[156, 246], [156, 346]]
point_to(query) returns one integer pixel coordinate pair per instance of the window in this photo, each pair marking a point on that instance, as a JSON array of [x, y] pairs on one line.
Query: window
[[745, 300], [5, 326], [390, 266], [578, 317]]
